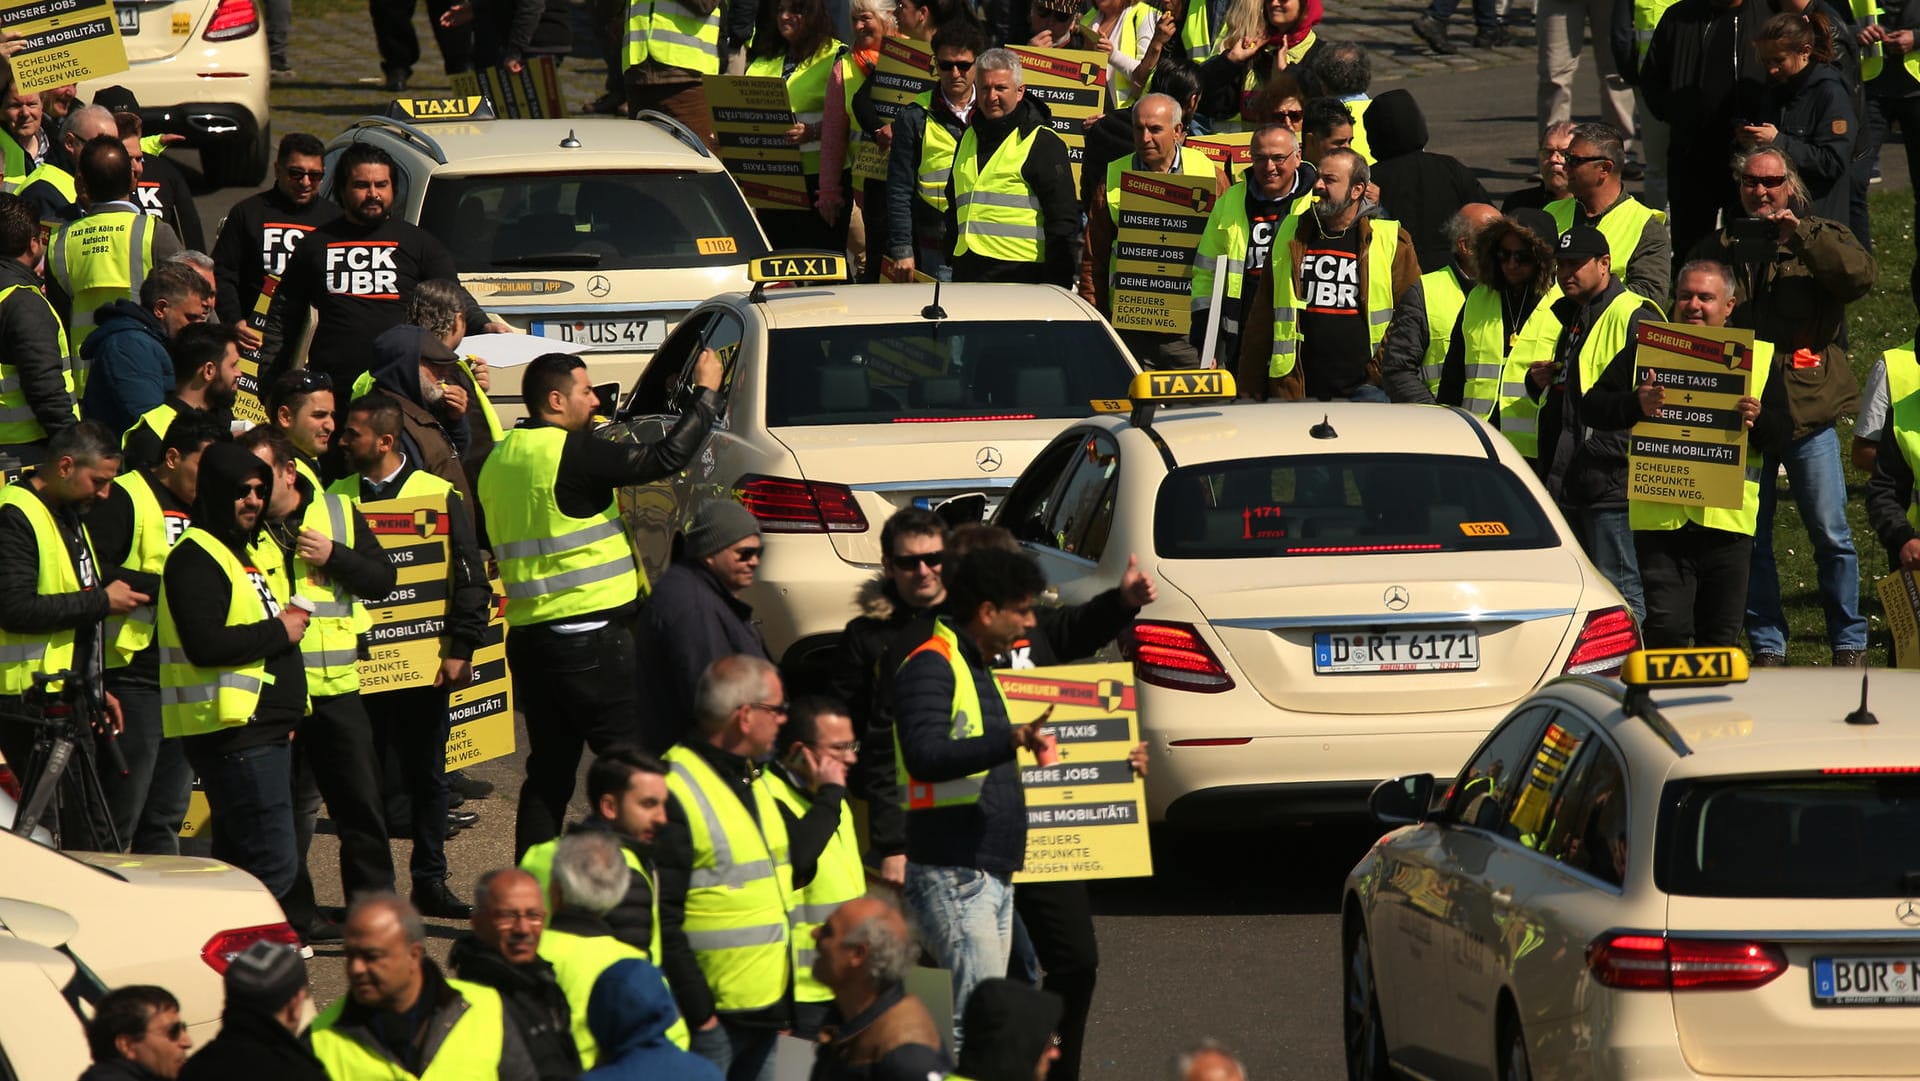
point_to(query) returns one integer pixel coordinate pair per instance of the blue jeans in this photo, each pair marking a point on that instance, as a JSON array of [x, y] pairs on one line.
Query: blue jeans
[[1820, 491], [1608, 541], [967, 917], [250, 801], [1367, 392], [742, 1053]]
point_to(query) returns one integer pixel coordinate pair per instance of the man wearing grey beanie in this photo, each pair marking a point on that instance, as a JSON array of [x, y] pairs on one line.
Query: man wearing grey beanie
[[696, 617], [260, 1029]]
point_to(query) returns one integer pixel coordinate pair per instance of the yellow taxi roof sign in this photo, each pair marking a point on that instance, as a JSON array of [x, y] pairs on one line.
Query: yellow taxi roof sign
[[1684, 667], [1181, 385], [801, 266], [456, 107]]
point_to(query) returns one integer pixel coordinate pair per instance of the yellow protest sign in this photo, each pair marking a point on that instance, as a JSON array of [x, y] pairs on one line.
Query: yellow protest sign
[[751, 117], [249, 401], [481, 713], [531, 93], [1232, 151], [63, 42], [404, 647], [1087, 813], [1161, 218], [903, 73], [1900, 599], [1072, 83], [1694, 451], [1557, 748]]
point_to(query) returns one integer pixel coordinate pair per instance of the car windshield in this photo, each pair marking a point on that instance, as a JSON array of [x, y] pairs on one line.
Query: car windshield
[[1345, 504], [590, 221], [953, 371], [1791, 837]]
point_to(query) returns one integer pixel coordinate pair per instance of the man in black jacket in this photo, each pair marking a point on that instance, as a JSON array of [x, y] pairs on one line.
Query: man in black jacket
[[136, 1035], [1419, 189], [260, 1027], [1046, 251], [1700, 75], [503, 953], [263, 230], [916, 237], [33, 346]]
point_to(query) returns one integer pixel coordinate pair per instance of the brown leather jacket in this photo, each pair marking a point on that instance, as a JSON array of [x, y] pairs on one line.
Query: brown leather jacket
[[888, 1040]]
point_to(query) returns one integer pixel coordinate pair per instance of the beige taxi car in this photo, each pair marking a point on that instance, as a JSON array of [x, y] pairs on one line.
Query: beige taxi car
[[845, 403], [1347, 591], [1682, 873], [42, 1032], [597, 232]]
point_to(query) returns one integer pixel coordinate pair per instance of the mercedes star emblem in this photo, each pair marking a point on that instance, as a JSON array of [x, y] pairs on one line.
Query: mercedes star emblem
[[988, 459], [1908, 912], [1395, 598], [599, 286]]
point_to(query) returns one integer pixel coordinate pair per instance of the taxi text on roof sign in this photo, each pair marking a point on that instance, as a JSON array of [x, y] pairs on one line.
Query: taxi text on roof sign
[[467, 107], [1684, 667], [1174, 386], [811, 266]]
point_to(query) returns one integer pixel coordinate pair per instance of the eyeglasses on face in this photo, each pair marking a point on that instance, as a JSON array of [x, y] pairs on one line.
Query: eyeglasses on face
[[747, 555], [1574, 161], [306, 174], [778, 709], [959, 66], [1748, 180], [1291, 116], [913, 562], [1272, 159], [843, 747], [1514, 255]]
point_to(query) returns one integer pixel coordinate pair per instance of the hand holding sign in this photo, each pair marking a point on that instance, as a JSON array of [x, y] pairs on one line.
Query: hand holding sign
[[1652, 395]]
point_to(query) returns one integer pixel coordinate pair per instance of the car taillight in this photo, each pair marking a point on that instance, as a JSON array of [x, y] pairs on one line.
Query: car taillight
[[232, 19], [1174, 655], [1831, 771], [1606, 639], [222, 948], [800, 506], [9, 782], [1656, 963]]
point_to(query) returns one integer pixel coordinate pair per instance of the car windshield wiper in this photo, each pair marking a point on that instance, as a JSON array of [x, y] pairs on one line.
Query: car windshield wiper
[[555, 259]]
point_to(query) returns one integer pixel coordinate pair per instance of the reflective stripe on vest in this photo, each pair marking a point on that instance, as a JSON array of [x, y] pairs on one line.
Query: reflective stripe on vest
[[737, 895], [153, 537], [1608, 335], [937, 147], [840, 878], [193, 699], [330, 648], [675, 37], [1195, 34], [1645, 516], [1646, 16], [806, 92], [1440, 289], [471, 1048], [1483, 349], [1903, 413], [93, 280], [516, 491], [997, 216], [1383, 242], [578, 962], [966, 723], [1122, 91], [1519, 413], [1622, 225], [23, 655], [18, 422]]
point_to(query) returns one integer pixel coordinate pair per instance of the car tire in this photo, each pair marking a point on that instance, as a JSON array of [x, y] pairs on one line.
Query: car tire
[[236, 163], [1513, 1049], [1366, 1037]]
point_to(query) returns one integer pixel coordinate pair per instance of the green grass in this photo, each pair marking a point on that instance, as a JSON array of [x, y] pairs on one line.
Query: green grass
[[1885, 318]]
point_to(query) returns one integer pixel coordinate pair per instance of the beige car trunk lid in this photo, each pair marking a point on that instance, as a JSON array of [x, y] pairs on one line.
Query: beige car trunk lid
[[161, 25]]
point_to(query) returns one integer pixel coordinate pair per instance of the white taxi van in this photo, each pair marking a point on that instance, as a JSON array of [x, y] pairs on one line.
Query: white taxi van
[[1681, 873], [1347, 591]]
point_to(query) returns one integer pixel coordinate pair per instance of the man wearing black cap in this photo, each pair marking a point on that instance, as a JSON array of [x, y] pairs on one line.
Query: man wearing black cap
[[260, 1026], [1586, 468], [696, 616]]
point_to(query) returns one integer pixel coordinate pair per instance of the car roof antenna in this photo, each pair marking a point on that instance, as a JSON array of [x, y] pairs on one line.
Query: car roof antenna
[[1324, 429], [1863, 715], [934, 310]]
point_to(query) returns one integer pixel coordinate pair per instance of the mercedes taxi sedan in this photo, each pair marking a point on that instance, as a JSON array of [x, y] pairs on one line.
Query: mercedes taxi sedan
[[1721, 879], [845, 403], [1347, 591], [598, 232]]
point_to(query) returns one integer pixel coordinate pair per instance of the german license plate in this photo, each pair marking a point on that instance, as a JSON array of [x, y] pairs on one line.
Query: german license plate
[[595, 335], [1425, 650], [1866, 981], [128, 17]]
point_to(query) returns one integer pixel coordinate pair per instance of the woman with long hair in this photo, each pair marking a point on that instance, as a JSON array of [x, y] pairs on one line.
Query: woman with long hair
[[1133, 34], [853, 128], [1809, 111], [1257, 39], [1505, 326], [797, 44]]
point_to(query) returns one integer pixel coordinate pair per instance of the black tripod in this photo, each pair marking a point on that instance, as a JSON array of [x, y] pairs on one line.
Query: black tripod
[[61, 773]]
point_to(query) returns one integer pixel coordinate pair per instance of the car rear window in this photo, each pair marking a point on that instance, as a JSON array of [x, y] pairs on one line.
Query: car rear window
[[497, 222], [1791, 837], [951, 371], [1345, 504]]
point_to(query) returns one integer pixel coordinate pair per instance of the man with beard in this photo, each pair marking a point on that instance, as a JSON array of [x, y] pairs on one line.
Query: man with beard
[[1241, 229], [355, 272], [1012, 212], [128, 366], [263, 230], [206, 375], [1314, 331], [626, 797], [503, 952]]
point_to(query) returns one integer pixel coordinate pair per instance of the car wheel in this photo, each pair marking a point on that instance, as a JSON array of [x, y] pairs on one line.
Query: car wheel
[[1366, 1037], [1513, 1051], [233, 163]]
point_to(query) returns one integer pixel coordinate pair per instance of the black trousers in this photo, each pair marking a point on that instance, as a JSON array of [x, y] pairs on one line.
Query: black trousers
[[1698, 188], [1059, 921], [410, 731], [1882, 114], [400, 47], [333, 756], [1695, 580], [806, 229], [576, 691]]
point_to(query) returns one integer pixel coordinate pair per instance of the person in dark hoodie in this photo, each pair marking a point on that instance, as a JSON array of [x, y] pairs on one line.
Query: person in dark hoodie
[[629, 1014], [417, 370], [1419, 189], [128, 369], [502, 952], [266, 1006], [1012, 216], [219, 612], [1809, 110], [1016, 1025]]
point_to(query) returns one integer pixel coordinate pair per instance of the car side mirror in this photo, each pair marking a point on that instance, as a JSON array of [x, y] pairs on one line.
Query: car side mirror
[[1402, 801], [609, 395]]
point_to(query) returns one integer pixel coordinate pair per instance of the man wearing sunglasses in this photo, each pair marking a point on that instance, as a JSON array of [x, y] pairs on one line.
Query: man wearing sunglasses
[[695, 617], [1638, 242], [263, 230], [924, 137], [136, 1035]]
